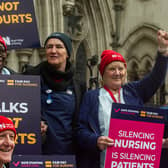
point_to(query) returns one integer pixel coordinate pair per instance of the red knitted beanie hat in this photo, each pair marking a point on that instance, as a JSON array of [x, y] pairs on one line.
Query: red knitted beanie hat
[[6, 124], [3, 43], [109, 56]]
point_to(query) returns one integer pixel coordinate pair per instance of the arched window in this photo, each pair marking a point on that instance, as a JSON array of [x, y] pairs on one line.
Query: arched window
[[133, 72]]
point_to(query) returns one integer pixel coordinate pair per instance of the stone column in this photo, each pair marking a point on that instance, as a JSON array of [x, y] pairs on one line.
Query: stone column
[[12, 60], [35, 58], [23, 60], [46, 19], [118, 7]]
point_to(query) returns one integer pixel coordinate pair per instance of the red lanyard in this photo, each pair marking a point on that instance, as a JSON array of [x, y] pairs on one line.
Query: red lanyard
[[111, 94]]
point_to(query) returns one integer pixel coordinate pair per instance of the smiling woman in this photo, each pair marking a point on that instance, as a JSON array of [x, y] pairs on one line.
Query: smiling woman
[[56, 53], [95, 112], [60, 96], [7, 140], [113, 70]]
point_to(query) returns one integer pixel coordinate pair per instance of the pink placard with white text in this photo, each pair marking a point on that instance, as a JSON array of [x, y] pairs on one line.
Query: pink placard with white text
[[137, 144]]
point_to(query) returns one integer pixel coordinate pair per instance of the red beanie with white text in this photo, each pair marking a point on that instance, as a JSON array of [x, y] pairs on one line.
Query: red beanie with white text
[[109, 56], [6, 124]]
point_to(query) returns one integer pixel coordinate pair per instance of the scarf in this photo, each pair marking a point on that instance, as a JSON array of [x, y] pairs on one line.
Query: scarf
[[57, 80]]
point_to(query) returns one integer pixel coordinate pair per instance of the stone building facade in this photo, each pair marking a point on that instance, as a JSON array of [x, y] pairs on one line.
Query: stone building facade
[[128, 26]]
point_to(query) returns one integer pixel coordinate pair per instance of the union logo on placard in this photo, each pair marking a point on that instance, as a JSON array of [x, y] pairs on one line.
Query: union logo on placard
[[143, 113]]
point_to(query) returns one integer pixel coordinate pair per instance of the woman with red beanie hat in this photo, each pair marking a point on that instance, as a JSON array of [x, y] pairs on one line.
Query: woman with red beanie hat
[[95, 111], [7, 140], [4, 70]]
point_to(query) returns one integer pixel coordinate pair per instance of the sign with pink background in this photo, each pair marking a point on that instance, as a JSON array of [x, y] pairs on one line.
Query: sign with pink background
[[137, 134]]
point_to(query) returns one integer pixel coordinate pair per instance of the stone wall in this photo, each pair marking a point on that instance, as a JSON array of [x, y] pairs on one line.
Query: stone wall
[[128, 26]]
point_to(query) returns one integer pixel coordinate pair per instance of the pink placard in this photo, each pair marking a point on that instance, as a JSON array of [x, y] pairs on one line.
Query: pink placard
[[137, 144]]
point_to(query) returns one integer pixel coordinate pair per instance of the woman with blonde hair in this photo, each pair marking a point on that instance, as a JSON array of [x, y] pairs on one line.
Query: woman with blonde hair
[[95, 111]]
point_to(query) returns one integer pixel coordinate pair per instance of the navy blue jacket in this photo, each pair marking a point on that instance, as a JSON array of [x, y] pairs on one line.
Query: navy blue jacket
[[135, 93], [56, 115]]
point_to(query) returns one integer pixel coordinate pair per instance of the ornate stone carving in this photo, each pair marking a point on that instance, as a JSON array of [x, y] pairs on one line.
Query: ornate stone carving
[[119, 4], [76, 21], [68, 7]]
